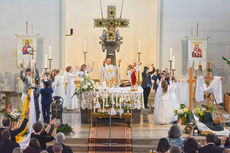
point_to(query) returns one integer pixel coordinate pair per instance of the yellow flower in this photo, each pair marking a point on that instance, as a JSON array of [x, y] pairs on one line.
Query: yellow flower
[[185, 109], [201, 113], [196, 109]]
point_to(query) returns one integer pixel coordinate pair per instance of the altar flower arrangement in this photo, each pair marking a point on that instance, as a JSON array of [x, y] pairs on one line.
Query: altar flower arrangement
[[86, 85], [202, 110], [15, 115], [182, 113]]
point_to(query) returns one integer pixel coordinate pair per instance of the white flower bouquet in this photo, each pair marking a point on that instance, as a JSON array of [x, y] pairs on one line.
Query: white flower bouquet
[[86, 85], [15, 115]]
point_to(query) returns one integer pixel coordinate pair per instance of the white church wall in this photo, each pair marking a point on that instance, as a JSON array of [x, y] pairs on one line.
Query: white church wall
[[45, 17], [179, 18]]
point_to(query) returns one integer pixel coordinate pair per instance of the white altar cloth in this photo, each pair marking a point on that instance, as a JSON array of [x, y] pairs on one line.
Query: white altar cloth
[[135, 96]]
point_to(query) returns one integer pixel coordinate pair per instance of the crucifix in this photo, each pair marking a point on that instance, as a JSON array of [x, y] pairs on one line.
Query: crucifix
[[111, 39], [192, 79]]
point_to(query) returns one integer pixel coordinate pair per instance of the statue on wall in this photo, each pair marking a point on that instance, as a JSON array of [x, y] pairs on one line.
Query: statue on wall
[[110, 39]]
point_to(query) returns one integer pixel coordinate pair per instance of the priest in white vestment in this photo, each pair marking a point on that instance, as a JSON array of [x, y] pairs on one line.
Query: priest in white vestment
[[110, 73]]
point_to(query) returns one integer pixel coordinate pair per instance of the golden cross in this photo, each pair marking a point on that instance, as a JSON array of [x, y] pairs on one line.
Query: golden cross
[[111, 23]]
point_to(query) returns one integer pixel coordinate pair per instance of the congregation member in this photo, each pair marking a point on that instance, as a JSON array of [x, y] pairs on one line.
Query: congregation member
[[190, 145], [7, 146], [48, 77], [42, 136], [71, 101], [174, 136], [146, 83], [17, 150], [27, 80], [60, 138], [211, 147], [227, 150], [6, 122], [34, 146], [37, 101], [57, 148], [46, 100], [156, 78], [175, 149], [163, 146]]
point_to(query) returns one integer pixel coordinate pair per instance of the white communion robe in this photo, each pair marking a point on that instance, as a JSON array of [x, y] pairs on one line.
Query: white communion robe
[[215, 87], [163, 110], [59, 85], [110, 74], [71, 101], [173, 97]]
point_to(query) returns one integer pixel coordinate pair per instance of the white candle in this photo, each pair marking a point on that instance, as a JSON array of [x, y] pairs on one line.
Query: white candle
[[139, 46], [173, 62], [50, 52], [46, 61], [103, 85], [170, 54], [84, 45]]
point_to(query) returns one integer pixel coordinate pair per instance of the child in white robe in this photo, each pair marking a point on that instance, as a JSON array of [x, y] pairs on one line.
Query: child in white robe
[[163, 112], [59, 84], [85, 69], [71, 101]]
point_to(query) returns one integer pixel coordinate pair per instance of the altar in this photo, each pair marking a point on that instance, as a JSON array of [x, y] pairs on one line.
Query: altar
[[121, 102]]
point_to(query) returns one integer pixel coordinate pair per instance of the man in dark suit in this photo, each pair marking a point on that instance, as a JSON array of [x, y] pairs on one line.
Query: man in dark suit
[[146, 83], [7, 146], [60, 138], [6, 122], [211, 147], [156, 78]]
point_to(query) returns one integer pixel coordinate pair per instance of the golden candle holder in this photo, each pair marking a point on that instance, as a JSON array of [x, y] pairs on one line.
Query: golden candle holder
[[170, 66], [173, 71], [18, 79], [139, 61], [50, 64], [85, 54]]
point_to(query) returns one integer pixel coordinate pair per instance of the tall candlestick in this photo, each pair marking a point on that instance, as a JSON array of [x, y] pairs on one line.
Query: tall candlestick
[[32, 63], [173, 62], [46, 61], [103, 107], [50, 52], [85, 46], [139, 46], [170, 54]]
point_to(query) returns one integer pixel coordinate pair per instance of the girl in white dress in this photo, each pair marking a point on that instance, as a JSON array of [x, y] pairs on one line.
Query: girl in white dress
[[86, 69], [163, 112], [172, 92], [71, 102], [59, 84]]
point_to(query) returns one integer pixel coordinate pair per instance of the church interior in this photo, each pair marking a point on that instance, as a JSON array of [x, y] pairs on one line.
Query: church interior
[[121, 76]]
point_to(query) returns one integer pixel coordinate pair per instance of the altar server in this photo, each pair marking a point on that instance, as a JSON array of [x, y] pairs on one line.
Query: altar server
[[59, 84], [72, 101]]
